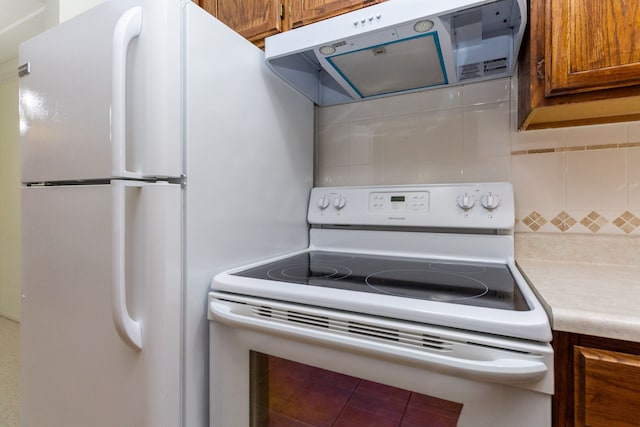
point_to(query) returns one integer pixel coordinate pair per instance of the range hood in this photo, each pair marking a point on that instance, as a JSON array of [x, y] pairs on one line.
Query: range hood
[[400, 46]]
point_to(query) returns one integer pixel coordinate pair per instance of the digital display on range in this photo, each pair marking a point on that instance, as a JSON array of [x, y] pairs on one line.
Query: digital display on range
[[397, 199]]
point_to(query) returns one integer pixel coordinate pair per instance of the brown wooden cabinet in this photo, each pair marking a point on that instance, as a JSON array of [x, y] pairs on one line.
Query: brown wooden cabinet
[[580, 63], [253, 19], [597, 381], [257, 19], [592, 45], [304, 12]]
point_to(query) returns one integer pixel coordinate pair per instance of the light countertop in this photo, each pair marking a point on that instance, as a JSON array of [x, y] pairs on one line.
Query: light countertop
[[588, 284]]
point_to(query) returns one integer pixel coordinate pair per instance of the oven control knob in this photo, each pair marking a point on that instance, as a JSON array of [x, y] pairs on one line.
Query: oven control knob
[[323, 202], [466, 201], [339, 201], [490, 201]]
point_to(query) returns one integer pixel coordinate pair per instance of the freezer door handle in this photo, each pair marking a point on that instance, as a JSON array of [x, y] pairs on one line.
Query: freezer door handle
[[129, 330], [128, 28]]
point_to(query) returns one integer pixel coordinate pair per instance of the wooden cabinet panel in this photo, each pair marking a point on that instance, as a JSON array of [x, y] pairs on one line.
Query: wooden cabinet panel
[[586, 73], [257, 19], [607, 388], [303, 12], [597, 381], [253, 19], [210, 6], [591, 45]]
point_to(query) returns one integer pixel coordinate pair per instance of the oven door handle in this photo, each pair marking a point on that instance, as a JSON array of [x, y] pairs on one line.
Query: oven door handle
[[500, 369]]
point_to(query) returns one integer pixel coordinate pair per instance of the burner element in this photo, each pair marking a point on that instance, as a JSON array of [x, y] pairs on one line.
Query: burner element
[[309, 271], [426, 284]]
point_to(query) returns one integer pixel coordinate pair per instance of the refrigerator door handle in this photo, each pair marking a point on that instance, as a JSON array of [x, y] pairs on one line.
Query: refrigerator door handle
[[128, 28], [129, 330]]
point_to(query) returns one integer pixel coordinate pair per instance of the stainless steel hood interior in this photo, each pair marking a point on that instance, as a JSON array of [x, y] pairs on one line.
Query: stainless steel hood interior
[[399, 46]]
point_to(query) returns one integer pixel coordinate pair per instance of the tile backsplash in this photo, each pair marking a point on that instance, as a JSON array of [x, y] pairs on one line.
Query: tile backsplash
[[573, 180]]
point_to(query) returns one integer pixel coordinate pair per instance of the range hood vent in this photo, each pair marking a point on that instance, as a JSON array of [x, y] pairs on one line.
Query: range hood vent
[[400, 46]]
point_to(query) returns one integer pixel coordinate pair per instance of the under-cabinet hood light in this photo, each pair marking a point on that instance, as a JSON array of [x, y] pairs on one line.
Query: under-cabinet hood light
[[327, 50], [423, 26]]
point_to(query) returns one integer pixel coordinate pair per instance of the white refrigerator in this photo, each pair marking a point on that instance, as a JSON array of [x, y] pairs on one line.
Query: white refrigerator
[[157, 150]]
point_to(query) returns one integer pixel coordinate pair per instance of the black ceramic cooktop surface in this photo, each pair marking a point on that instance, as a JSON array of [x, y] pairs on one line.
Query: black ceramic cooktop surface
[[477, 284]]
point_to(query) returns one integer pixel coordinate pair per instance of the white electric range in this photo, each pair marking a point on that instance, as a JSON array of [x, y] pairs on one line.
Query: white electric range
[[416, 280]]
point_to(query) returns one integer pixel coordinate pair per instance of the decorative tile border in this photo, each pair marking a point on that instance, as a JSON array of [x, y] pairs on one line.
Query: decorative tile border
[[534, 221], [577, 221], [576, 148], [625, 223], [594, 221], [563, 221]]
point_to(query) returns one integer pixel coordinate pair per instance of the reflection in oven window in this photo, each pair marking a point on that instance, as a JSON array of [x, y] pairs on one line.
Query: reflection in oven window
[[286, 393]]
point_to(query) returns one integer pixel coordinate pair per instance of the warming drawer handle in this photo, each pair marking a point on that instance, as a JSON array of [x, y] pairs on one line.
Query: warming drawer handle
[[127, 28], [505, 370], [128, 329]]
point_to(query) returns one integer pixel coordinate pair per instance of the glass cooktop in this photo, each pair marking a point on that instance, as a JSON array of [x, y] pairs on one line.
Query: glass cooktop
[[468, 283]]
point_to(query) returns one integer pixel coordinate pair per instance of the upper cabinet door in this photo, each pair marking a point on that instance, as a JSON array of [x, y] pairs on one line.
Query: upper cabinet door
[[305, 12], [591, 45], [253, 19], [112, 71], [257, 19]]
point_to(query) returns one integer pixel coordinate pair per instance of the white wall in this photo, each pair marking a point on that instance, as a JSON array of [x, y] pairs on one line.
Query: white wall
[[573, 180], [57, 11], [9, 201]]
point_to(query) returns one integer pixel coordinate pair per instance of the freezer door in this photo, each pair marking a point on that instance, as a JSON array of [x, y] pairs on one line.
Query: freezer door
[[100, 95], [75, 368]]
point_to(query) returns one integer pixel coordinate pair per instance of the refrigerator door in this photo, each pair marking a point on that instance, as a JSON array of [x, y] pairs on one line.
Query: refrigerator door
[[75, 368], [100, 95]]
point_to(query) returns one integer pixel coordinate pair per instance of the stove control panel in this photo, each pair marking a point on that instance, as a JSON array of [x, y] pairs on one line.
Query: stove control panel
[[392, 203], [470, 206]]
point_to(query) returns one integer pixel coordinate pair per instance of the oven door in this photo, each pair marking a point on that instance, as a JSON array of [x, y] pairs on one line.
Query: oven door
[[281, 364]]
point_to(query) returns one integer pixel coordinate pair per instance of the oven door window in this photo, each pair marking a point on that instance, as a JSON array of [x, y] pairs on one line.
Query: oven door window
[[287, 393]]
